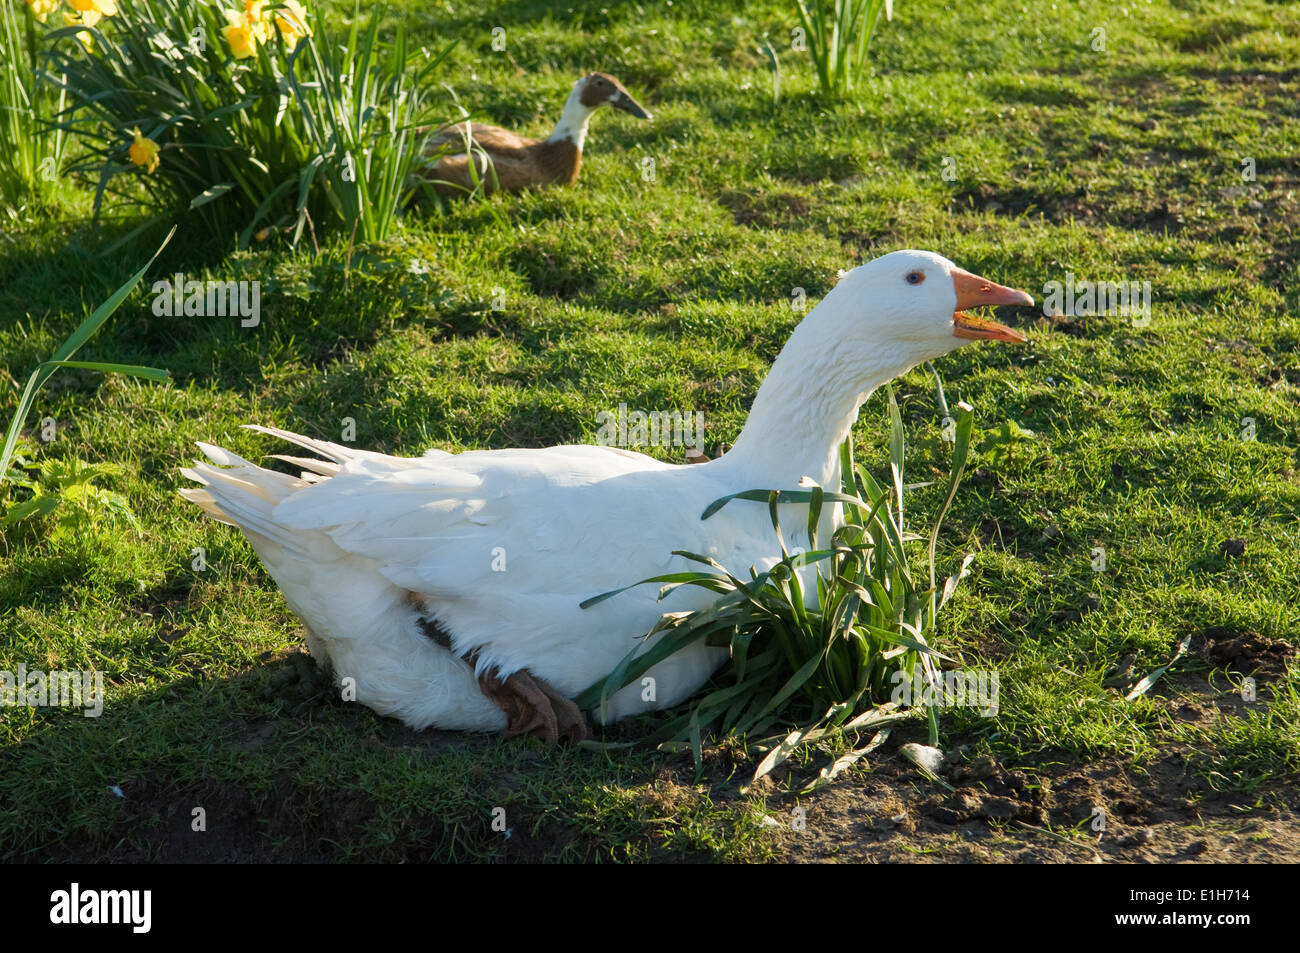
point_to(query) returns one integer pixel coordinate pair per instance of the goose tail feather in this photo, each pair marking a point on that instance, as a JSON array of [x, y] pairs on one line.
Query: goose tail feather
[[240, 493]]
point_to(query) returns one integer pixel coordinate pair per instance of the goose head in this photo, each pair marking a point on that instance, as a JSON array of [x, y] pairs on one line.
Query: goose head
[[914, 305], [589, 94], [880, 320]]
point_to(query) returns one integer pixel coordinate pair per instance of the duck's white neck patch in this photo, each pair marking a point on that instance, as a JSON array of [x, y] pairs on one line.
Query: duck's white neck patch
[[573, 121]]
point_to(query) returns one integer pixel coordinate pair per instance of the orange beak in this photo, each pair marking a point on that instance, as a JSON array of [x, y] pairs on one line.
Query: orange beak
[[973, 292]]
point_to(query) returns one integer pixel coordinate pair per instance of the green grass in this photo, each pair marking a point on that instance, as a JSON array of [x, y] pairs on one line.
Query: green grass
[[674, 294]]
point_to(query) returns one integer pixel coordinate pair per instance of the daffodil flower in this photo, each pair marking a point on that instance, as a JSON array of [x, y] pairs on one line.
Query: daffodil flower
[[239, 34], [247, 29], [255, 16], [43, 8], [292, 22], [100, 8], [143, 152], [88, 18]]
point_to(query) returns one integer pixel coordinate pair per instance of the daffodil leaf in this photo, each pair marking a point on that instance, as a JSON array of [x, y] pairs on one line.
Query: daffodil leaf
[[209, 195]]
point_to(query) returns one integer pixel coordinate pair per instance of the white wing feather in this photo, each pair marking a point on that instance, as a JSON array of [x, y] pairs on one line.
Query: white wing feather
[[500, 546]]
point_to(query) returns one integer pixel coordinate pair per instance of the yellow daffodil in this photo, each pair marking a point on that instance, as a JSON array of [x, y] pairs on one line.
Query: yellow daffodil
[[143, 152], [255, 16], [240, 35], [88, 18], [43, 8], [292, 22], [101, 8], [247, 29]]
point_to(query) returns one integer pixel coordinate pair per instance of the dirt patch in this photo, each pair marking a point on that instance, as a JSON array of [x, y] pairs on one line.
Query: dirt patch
[[766, 209], [1247, 653], [1058, 807], [1077, 326], [1163, 217], [1276, 377], [1052, 812], [1015, 202]]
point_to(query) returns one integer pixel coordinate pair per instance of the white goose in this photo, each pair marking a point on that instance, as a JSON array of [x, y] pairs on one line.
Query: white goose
[[447, 586]]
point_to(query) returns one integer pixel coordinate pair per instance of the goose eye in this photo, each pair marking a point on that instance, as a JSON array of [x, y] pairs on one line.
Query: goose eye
[[915, 277]]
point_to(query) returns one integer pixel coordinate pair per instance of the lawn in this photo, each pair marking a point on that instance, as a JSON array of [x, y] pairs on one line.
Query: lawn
[[1153, 498]]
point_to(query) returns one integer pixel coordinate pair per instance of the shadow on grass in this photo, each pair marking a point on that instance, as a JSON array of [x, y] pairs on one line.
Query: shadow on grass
[[271, 766]]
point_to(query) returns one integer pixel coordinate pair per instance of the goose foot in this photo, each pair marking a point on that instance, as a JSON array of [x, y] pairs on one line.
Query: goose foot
[[533, 707]]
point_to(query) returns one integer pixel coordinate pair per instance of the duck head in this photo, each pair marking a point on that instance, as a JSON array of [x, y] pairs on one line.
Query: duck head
[[600, 89], [589, 94]]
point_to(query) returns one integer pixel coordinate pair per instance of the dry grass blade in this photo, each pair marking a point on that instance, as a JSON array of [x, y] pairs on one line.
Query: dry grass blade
[[846, 761], [1144, 686]]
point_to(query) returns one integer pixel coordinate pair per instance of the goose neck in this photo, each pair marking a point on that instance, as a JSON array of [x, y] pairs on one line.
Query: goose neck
[[806, 407]]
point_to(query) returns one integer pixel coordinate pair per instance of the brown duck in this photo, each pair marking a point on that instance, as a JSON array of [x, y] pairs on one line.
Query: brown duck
[[520, 163]]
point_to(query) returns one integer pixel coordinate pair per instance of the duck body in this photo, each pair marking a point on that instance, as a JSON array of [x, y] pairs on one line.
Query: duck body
[[418, 578], [471, 152], [502, 160]]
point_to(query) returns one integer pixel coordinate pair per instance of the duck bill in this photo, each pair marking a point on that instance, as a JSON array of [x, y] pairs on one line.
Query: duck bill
[[629, 105], [975, 292]]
